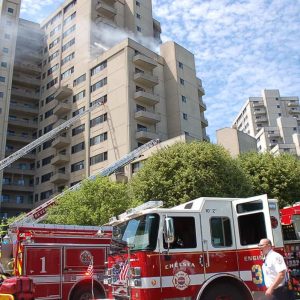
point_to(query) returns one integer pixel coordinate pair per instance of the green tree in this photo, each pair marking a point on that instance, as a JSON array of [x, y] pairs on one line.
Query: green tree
[[184, 172], [93, 204], [277, 176]]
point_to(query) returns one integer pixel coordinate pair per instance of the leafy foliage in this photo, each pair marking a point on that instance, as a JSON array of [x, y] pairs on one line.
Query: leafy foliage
[[277, 176], [184, 172], [93, 204]]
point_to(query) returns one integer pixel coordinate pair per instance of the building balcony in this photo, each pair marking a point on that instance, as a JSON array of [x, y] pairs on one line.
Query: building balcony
[[14, 137], [15, 187], [274, 134], [106, 9], [144, 62], [22, 123], [144, 136], [261, 119], [294, 103], [60, 159], [146, 98], [258, 104], [202, 105], [59, 122], [262, 111], [26, 81], [25, 94], [107, 21], [33, 56], [59, 178], [27, 68], [24, 108], [156, 26], [145, 79], [24, 207], [15, 170], [62, 108], [61, 142], [28, 156], [294, 111], [204, 122], [147, 117], [63, 92]]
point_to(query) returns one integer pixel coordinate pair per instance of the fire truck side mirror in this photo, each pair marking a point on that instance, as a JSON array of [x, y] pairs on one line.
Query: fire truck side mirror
[[169, 233]]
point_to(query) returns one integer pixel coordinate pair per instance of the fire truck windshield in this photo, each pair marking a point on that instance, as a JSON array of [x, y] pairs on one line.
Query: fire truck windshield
[[139, 233]]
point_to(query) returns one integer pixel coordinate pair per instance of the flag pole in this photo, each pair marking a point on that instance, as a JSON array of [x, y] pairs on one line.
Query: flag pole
[[92, 277]]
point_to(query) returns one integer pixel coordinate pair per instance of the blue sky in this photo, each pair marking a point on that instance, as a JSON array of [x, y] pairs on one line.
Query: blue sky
[[241, 47]]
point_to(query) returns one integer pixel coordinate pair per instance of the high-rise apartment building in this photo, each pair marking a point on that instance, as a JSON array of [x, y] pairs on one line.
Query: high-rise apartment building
[[273, 120], [89, 51]]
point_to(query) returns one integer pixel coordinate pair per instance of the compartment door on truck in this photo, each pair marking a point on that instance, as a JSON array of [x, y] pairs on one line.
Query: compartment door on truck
[[218, 238], [43, 265], [252, 223], [181, 265]]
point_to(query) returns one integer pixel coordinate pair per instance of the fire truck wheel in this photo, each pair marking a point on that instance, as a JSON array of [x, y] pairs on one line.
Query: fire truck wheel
[[224, 291], [84, 293]]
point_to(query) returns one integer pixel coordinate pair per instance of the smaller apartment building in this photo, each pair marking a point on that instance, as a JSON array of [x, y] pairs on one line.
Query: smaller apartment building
[[273, 120]]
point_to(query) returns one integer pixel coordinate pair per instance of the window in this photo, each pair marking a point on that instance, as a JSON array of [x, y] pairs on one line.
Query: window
[[55, 42], [138, 16], [79, 80], [183, 99], [78, 111], [77, 148], [47, 144], [50, 98], [220, 229], [48, 128], [2, 79], [10, 10], [70, 30], [141, 127], [5, 50], [79, 96], [46, 194], [180, 64], [279, 114], [78, 129], [6, 36], [98, 158], [185, 233], [47, 160], [49, 113], [138, 28], [102, 100], [46, 177], [99, 84], [53, 55], [98, 68], [67, 58], [140, 108], [55, 30], [67, 73], [4, 198], [69, 6], [70, 18], [278, 106], [52, 69], [19, 199], [181, 81], [68, 45], [77, 166], [52, 83], [137, 3], [98, 139], [1, 95], [184, 115], [98, 120]]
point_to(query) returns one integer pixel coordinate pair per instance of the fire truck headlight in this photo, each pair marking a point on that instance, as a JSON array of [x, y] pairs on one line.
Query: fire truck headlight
[[135, 282], [135, 272]]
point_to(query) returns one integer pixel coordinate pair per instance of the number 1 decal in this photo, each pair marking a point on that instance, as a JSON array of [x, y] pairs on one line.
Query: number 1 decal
[[43, 259]]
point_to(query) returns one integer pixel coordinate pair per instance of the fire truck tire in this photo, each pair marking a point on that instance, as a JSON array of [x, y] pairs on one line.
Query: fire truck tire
[[84, 292], [224, 291]]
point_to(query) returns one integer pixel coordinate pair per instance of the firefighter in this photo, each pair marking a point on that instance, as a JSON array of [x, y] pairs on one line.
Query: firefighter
[[3, 228]]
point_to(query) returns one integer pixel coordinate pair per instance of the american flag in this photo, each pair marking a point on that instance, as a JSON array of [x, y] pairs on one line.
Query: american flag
[[124, 271], [90, 269]]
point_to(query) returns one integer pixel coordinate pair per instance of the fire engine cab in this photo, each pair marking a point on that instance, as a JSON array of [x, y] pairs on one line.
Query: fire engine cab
[[205, 249], [56, 258]]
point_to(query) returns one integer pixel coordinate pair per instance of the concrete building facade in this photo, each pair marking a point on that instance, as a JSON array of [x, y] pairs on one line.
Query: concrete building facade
[[89, 51], [273, 120]]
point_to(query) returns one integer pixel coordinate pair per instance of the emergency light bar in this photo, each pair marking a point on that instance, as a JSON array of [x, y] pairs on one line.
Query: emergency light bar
[[135, 211]]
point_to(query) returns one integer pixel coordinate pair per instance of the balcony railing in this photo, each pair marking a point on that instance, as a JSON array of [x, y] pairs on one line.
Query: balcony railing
[[146, 79], [144, 62], [147, 98], [147, 117]]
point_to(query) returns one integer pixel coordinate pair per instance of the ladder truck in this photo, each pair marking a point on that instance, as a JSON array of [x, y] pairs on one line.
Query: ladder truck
[[55, 257]]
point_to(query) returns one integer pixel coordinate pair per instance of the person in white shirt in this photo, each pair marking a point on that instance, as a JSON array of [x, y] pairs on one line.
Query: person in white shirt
[[274, 271]]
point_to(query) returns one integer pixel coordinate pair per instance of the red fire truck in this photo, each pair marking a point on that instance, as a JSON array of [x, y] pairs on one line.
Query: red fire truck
[[205, 249], [290, 221], [56, 258]]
